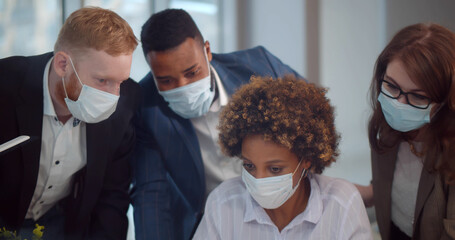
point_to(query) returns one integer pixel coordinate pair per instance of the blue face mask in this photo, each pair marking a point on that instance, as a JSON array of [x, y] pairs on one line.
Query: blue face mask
[[192, 100], [403, 117]]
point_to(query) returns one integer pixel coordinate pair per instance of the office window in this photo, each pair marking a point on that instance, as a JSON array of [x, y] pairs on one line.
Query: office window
[[207, 15], [28, 27], [135, 12]]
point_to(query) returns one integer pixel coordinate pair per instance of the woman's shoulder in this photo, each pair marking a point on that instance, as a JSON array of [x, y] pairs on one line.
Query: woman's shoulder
[[336, 189], [229, 190], [232, 185]]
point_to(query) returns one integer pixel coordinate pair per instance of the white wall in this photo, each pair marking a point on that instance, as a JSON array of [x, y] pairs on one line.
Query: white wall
[[406, 12], [351, 35], [278, 26], [351, 38]]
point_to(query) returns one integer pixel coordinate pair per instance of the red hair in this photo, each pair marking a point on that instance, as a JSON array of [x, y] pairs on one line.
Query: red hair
[[97, 28]]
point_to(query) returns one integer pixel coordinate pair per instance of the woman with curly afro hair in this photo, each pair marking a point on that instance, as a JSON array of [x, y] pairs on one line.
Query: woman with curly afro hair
[[283, 131]]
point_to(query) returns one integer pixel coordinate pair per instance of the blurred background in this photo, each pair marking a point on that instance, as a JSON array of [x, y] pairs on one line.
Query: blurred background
[[332, 43]]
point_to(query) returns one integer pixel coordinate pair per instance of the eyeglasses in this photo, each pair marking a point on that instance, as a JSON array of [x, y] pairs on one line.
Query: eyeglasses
[[393, 91]]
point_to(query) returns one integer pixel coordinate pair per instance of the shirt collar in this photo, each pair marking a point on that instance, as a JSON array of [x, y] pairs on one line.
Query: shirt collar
[[312, 214], [254, 212], [222, 99], [47, 104]]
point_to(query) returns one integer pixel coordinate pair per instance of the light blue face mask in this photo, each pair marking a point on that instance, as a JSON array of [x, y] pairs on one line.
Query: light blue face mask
[[192, 100], [403, 117]]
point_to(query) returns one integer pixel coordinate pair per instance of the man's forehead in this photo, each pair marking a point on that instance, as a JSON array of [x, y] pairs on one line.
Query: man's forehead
[[107, 66], [187, 47], [173, 63]]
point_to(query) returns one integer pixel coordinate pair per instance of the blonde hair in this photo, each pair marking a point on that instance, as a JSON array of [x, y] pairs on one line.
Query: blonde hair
[[97, 28]]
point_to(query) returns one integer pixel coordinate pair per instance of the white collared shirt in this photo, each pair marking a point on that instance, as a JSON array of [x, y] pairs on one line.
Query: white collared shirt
[[217, 166], [335, 210], [63, 153]]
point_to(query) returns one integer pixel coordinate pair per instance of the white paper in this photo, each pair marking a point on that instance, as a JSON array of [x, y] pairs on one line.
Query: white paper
[[13, 142]]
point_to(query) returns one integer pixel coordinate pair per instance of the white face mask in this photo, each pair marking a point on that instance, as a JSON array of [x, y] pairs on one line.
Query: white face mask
[[271, 192], [192, 100], [93, 105]]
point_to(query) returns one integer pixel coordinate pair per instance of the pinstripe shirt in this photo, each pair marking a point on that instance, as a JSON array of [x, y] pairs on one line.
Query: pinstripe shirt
[[335, 210]]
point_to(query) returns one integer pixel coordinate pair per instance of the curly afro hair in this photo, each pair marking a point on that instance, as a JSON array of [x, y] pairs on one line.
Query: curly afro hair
[[286, 111]]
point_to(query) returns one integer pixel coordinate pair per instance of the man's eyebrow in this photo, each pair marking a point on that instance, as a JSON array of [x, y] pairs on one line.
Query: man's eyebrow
[[162, 77], [190, 68]]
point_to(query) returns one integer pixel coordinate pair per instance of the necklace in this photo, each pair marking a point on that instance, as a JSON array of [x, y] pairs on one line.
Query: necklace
[[414, 150]]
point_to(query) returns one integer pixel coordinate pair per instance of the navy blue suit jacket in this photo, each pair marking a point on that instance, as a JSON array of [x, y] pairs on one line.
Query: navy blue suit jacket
[[169, 181]]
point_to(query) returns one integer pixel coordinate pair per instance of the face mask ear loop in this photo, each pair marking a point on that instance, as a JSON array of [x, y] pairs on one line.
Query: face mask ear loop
[[212, 82], [212, 79], [64, 88], [71, 61], [298, 165], [302, 175]]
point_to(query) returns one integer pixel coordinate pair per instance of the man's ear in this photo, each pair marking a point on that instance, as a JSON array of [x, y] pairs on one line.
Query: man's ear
[[61, 63], [209, 52]]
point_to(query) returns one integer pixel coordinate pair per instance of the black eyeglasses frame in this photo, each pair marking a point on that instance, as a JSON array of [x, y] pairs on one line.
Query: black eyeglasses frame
[[403, 93]]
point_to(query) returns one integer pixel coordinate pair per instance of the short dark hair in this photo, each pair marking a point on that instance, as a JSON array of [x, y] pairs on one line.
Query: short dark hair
[[168, 29], [287, 111]]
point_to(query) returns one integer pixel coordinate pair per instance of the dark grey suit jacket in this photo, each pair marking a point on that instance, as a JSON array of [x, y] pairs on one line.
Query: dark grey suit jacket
[[97, 207], [435, 205]]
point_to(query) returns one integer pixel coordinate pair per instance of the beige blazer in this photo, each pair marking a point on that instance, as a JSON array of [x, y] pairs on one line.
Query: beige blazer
[[434, 216]]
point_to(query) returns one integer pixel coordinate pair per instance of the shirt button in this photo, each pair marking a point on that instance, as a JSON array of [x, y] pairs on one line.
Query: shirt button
[[41, 202], [56, 119], [49, 187], [57, 162]]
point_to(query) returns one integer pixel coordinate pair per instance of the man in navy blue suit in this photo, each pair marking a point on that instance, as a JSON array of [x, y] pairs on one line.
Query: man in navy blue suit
[[177, 161]]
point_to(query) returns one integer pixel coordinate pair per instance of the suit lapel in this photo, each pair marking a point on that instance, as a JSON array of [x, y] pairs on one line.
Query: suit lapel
[[426, 185], [29, 113], [384, 166], [390, 159], [230, 81], [97, 145], [186, 130], [183, 127]]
